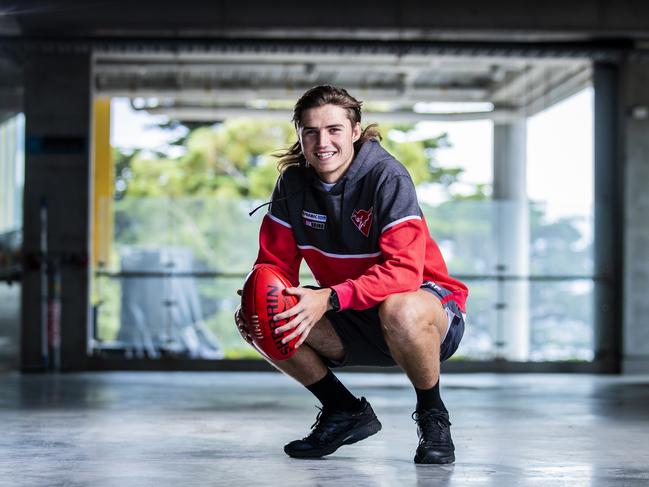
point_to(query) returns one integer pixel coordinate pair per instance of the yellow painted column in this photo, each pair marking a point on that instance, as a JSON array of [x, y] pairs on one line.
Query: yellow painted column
[[104, 183]]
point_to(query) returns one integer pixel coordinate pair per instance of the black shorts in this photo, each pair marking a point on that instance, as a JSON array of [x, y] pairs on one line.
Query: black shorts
[[360, 332]]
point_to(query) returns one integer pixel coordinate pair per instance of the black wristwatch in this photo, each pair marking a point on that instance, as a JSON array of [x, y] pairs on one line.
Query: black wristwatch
[[333, 301]]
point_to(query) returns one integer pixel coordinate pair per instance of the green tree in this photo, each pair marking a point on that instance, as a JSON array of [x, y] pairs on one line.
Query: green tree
[[235, 158]]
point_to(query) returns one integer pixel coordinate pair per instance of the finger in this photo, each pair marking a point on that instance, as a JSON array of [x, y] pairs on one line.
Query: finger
[[284, 315], [302, 339], [297, 319], [297, 332], [295, 291], [239, 319]]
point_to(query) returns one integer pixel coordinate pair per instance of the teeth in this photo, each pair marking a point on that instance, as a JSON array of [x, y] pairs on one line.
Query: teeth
[[324, 155]]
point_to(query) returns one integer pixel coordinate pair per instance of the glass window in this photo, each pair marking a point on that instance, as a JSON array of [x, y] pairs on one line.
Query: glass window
[[12, 133], [509, 203]]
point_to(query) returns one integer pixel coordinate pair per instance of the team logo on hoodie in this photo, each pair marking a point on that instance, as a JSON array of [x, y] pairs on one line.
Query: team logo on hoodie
[[363, 220]]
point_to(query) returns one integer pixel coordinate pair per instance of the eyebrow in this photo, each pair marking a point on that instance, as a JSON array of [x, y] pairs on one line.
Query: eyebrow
[[327, 127]]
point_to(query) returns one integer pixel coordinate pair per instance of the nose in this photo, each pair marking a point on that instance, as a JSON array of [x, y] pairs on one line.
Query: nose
[[323, 139]]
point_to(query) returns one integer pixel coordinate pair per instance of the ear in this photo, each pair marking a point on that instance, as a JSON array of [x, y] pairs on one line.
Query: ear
[[356, 132]]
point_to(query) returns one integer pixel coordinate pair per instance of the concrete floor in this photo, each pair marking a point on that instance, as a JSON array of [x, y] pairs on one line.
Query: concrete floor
[[201, 429]]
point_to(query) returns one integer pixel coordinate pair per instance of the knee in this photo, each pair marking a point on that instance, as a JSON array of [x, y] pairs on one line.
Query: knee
[[402, 318]]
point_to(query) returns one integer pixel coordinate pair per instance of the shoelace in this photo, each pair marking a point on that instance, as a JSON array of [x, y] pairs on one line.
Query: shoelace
[[323, 423], [434, 427], [317, 418]]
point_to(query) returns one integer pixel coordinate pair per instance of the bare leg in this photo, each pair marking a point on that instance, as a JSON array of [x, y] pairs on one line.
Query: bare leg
[[413, 325], [306, 366]]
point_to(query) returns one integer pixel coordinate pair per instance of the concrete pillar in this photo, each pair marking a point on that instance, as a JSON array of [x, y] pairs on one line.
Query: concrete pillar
[[511, 332], [608, 216], [635, 352], [57, 171]]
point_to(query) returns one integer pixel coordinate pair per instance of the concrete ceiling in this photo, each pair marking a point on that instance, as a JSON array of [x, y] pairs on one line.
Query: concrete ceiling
[[202, 61], [505, 20], [215, 85]]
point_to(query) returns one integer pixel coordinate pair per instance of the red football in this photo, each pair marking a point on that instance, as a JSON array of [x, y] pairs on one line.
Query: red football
[[263, 298]]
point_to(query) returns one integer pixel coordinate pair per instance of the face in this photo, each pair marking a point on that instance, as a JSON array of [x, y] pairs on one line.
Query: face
[[327, 138]]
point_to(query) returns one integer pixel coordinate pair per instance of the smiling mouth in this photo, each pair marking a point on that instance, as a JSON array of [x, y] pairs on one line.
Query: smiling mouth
[[323, 156]]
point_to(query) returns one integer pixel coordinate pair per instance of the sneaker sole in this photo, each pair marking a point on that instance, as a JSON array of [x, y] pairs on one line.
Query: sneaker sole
[[354, 436], [433, 460]]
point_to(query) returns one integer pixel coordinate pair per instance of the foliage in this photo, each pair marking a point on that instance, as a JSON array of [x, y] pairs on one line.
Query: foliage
[[235, 159]]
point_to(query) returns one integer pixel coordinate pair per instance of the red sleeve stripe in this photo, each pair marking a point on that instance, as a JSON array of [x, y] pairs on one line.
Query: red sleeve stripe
[[339, 256], [400, 220], [277, 220]]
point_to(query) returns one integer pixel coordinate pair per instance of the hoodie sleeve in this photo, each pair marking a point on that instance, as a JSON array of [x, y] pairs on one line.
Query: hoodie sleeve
[[277, 244], [402, 242]]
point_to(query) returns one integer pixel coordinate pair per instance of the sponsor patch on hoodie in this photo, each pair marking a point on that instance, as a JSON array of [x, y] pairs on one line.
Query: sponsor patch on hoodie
[[314, 220]]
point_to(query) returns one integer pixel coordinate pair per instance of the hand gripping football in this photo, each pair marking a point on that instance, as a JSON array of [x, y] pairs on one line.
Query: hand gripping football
[[262, 299]]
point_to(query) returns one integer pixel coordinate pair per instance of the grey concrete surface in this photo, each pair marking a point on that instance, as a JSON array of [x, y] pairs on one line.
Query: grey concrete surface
[[552, 20], [58, 134], [636, 229], [188, 429], [9, 326]]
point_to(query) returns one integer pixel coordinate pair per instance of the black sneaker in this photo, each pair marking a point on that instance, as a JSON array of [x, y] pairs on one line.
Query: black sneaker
[[435, 443], [332, 429]]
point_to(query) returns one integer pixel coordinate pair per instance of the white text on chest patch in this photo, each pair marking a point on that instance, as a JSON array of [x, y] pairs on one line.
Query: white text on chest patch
[[307, 215]]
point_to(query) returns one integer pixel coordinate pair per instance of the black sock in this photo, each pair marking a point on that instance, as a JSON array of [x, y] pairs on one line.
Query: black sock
[[333, 394], [429, 398]]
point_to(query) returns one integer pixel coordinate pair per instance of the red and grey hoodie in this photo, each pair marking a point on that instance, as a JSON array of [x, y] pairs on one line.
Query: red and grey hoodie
[[366, 237]]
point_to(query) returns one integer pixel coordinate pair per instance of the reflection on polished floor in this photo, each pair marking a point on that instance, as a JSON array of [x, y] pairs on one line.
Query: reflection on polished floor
[[201, 429]]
